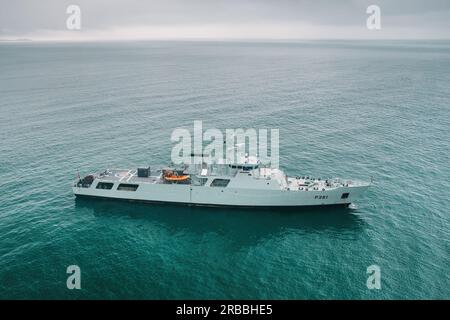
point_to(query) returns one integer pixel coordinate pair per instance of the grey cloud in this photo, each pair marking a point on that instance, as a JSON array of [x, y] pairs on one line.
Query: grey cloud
[[27, 16]]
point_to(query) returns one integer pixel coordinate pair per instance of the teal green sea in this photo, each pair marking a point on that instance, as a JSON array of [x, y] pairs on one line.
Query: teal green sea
[[344, 108]]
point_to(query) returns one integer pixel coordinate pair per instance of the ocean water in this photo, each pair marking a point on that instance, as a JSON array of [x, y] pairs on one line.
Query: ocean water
[[343, 108]]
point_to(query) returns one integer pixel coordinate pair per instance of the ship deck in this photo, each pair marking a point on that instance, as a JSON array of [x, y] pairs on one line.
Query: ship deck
[[128, 176], [292, 183]]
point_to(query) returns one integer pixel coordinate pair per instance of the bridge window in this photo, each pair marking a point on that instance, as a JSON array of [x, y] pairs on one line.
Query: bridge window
[[127, 187], [220, 183], [105, 185], [345, 195]]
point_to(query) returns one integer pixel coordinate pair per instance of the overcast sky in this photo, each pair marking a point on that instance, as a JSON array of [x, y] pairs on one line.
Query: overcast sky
[[224, 19]]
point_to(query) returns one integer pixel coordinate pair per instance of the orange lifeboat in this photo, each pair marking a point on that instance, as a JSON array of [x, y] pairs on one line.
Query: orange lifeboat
[[171, 176]]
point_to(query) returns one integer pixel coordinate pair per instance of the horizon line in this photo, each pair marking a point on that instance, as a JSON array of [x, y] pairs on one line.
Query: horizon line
[[219, 39]]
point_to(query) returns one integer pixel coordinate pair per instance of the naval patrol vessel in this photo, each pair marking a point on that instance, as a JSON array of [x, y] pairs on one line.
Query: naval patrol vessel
[[246, 183]]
